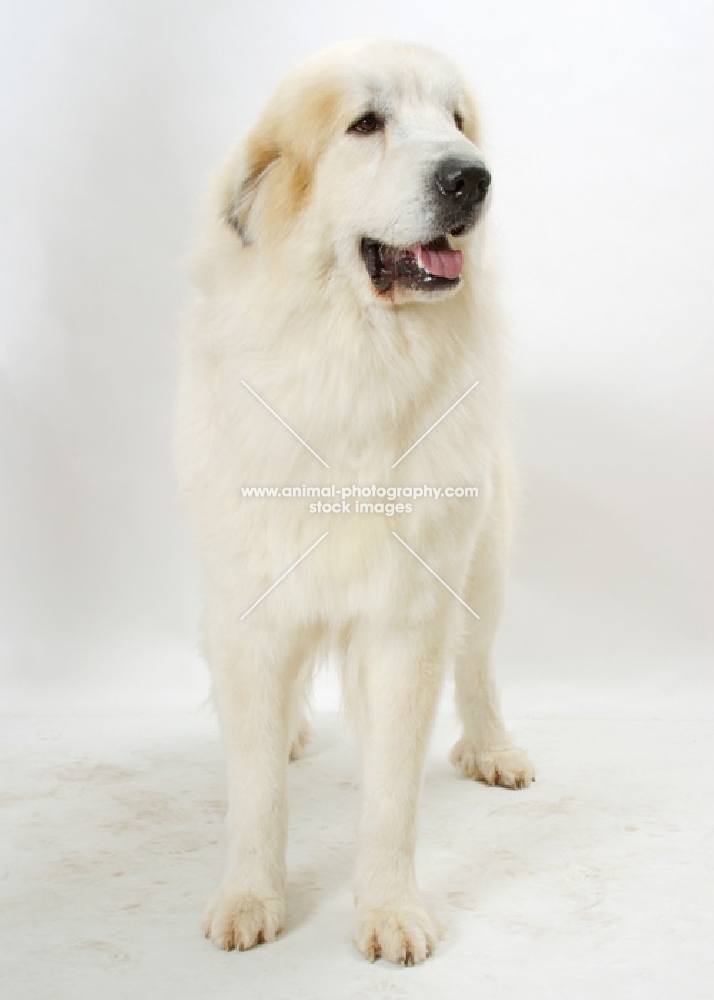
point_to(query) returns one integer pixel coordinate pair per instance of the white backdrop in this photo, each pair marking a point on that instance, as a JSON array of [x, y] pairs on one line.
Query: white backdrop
[[599, 126]]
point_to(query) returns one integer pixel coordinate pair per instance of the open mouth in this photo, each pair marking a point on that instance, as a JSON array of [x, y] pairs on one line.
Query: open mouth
[[424, 266]]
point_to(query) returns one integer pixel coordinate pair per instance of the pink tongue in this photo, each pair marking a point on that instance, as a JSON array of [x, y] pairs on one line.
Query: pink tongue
[[443, 263]]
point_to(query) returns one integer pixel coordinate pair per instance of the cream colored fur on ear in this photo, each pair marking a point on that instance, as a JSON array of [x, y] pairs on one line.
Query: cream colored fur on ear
[[287, 307]]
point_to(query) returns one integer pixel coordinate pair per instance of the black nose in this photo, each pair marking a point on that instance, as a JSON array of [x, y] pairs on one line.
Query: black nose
[[465, 181]]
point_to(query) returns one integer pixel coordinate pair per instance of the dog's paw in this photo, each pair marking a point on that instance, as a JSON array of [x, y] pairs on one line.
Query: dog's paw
[[401, 933], [300, 740], [240, 920], [510, 767]]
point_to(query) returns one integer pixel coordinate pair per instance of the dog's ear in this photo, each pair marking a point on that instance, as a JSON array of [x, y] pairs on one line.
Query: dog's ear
[[242, 178], [283, 146]]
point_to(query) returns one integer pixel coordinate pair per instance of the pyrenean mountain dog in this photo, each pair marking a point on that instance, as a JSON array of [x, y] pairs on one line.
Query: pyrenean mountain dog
[[345, 307]]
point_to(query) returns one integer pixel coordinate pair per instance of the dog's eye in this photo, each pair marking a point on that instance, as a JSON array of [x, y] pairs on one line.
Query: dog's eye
[[370, 122], [459, 121]]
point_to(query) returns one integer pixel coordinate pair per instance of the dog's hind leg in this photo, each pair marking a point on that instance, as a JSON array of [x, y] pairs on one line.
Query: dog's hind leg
[[299, 728], [486, 751]]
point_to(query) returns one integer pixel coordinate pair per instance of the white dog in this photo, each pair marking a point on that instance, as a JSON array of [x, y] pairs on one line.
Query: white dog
[[345, 290]]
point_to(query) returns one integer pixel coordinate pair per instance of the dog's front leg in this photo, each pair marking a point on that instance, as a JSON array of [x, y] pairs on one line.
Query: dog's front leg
[[400, 675], [252, 670]]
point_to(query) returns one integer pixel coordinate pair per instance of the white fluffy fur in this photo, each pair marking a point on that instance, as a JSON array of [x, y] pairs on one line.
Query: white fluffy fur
[[289, 309]]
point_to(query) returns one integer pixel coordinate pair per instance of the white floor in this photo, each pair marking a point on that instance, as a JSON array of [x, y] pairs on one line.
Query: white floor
[[597, 882]]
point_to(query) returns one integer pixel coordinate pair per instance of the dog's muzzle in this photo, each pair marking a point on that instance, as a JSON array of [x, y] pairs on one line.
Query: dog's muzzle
[[457, 190]]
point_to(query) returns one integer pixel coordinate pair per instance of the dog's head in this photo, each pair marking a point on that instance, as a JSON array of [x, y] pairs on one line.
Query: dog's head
[[365, 162]]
